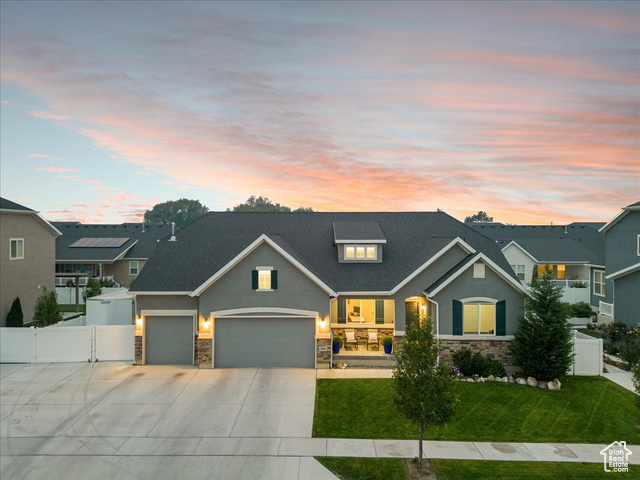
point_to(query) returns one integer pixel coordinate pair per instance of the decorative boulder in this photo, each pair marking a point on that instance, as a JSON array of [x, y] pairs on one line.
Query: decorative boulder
[[470, 380], [532, 382], [505, 379], [556, 384], [552, 386], [491, 378], [498, 379], [512, 380], [542, 384], [521, 381]]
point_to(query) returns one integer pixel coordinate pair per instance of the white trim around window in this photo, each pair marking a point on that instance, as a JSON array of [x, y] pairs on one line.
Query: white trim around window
[[16, 249], [357, 253], [638, 245], [134, 267], [598, 283]]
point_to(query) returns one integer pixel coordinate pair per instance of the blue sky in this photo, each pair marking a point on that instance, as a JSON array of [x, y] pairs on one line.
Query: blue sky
[[529, 111]]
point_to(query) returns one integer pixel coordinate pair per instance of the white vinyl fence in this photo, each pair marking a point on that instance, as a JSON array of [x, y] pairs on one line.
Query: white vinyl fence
[[71, 344], [587, 355]]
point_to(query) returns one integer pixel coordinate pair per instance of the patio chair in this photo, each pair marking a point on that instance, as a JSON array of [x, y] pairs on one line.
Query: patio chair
[[373, 338], [350, 338]]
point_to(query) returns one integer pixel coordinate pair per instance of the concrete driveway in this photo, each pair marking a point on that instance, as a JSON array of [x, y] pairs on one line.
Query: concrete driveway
[[113, 420]]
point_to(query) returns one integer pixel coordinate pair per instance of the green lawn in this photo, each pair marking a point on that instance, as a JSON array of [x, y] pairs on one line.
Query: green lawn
[[70, 308], [395, 469], [586, 410]]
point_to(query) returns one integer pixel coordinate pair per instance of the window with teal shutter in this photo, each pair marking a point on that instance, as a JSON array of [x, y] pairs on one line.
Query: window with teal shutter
[[274, 279], [379, 311], [457, 317], [254, 279], [342, 310], [501, 318]]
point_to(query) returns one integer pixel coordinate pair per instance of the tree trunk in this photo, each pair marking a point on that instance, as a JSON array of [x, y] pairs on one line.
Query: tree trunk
[[420, 447]]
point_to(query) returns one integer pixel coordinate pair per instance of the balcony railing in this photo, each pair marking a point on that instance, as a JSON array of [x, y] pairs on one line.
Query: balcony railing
[[606, 309], [572, 283], [82, 281]]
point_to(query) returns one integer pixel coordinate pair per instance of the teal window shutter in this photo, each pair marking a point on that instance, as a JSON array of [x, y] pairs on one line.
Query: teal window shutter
[[342, 310], [379, 311], [457, 317], [501, 318], [254, 279], [274, 279]]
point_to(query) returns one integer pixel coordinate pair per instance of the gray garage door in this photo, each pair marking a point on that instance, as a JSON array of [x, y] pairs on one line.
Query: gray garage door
[[265, 342], [169, 340]]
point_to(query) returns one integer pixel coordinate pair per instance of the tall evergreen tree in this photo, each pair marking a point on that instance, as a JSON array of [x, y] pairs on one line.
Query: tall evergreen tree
[[424, 389], [15, 317], [542, 343]]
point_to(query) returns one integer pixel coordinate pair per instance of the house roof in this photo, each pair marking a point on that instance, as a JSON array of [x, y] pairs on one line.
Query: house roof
[[577, 242], [209, 244], [634, 207], [133, 243], [358, 232], [7, 206]]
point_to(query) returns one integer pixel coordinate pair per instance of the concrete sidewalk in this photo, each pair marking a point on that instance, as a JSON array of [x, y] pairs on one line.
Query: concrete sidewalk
[[619, 376]]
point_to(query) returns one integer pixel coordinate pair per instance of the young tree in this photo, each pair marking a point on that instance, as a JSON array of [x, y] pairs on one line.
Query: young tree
[[480, 217], [46, 309], [15, 317], [423, 389], [92, 289], [183, 212], [542, 343]]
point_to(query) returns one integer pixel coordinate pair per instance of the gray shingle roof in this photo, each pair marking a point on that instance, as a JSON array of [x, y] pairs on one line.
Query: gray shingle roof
[[208, 244], [350, 231], [138, 246], [9, 205], [558, 243]]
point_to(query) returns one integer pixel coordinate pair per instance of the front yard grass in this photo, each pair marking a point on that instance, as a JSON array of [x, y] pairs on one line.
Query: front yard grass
[[586, 410], [395, 469]]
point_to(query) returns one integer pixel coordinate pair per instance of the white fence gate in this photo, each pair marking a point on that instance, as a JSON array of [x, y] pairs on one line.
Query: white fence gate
[[70, 344], [587, 355]]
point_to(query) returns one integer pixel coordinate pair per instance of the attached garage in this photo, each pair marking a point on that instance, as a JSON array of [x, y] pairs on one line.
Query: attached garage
[[264, 342], [169, 340]]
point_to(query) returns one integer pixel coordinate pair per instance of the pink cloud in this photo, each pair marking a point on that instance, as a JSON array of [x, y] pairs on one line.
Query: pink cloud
[[56, 169], [50, 116], [93, 180], [37, 155]]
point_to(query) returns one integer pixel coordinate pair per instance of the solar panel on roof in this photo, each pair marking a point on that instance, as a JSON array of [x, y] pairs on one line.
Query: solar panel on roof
[[99, 242]]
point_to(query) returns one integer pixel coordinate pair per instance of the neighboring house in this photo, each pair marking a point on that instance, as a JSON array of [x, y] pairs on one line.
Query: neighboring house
[[118, 252], [573, 252], [270, 289], [27, 243], [621, 303]]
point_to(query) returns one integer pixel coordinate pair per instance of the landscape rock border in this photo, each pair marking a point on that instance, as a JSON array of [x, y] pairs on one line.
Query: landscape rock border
[[530, 381]]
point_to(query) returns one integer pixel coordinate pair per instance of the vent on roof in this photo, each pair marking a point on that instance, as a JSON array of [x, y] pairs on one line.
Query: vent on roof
[[97, 242]]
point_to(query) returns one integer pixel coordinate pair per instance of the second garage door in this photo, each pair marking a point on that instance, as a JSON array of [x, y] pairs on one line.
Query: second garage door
[[264, 342], [169, 340]]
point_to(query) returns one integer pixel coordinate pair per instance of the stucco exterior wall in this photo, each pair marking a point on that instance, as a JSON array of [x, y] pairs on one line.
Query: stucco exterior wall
[[25, 278], [621, 243], [417, 286], [120, 271], [627, 300], [295, 290], [515, 256], [492, 286], [165, 302]]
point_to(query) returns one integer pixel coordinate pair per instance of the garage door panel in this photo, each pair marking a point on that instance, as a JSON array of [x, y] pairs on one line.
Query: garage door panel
[[169, 340], [264, 342]]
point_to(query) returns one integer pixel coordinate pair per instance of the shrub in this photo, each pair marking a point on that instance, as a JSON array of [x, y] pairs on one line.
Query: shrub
[[337, 339], [610, 347], [614, 331], [579, 284], [46, 309], [15, 317], [92, 289], [636, 383], [387, 340], [630, 347], [580, 310], [470, 364], [107, 282]]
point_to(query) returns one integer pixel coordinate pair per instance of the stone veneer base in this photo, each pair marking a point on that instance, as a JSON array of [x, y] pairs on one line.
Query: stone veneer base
[[493, 349]]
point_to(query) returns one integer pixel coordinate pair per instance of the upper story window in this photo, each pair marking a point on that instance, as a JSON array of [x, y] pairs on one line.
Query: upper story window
[[478, 270], [598, 282], [264, 279], [17, 249], [519, 270], [360, 252], [133, 267]]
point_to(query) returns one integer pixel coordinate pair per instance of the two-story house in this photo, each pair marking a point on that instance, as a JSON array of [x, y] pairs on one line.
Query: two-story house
[[621, 303], [27, 243], [270, 289]]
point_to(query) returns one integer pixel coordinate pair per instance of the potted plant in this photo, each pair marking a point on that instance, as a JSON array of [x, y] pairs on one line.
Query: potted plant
[[387, 343], [337, 343]]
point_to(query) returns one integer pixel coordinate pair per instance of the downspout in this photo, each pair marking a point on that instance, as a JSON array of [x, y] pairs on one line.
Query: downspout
[[437, 324]]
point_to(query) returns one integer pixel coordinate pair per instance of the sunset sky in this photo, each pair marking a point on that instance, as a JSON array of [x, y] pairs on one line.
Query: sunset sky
[[528, 111]]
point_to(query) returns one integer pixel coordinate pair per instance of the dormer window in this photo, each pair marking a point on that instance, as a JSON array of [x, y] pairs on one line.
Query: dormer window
[[360, 252]]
